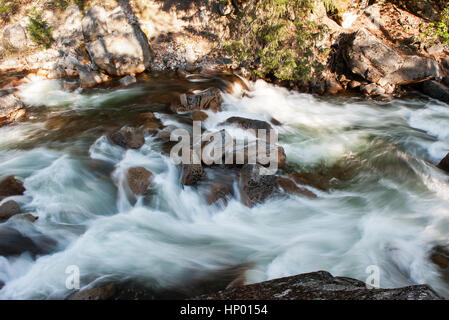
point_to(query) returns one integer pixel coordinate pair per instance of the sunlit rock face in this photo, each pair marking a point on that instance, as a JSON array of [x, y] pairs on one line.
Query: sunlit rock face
[[117, 44]]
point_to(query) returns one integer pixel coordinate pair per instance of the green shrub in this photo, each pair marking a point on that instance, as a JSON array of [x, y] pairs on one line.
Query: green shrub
[[39, 30], [8, 8], [278, 39], [438, 31]]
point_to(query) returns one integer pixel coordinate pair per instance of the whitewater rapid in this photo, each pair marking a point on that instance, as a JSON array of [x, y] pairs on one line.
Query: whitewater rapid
[[390, 213]]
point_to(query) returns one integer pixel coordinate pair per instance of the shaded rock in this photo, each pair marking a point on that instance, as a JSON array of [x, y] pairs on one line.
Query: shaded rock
[[100, 293], [444, 164], [128, 138], [11, 109], [10, 186], [353, 84], [94, 24], [9, 209], [320, 285], [12, 242], [209, 99], [440, 256], [149, 122], [288, 186], [255, 187], [139, 179], [128, 80], [368, 57], [435, 90], [192, 173], [14, 37], [219, 192]]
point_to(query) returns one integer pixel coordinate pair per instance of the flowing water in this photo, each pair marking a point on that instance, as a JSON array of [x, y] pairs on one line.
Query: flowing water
[[381, 200]]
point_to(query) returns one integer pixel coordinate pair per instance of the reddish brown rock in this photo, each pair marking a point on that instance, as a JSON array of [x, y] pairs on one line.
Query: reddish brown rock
[[128, 138], [288, 186], [219, 192], [11, 187], [139, 180], [9, 209], [209, 99], [100, 293], [255, 187], [192, 173]]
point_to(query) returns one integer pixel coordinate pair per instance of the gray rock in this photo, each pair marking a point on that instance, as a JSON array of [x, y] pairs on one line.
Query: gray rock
[[94, 24], [444, 164], [368, 57], [435, 90], [255, 187], [90, 78], [12, 242], [128, 80], [320, 285], [14, 37], [372, 89], [9, 209], [10, 186]]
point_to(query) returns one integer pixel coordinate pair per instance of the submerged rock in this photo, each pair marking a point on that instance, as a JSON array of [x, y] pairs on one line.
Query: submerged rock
[[12, 242], [90, 78], [444, 164], [192, 173], [219, 192], [255, 187], [209, 99], [10, 186], [320, 285], [9, 209], [245, 123], [128, 138], [139, 180], [288, 186], [100, 293]]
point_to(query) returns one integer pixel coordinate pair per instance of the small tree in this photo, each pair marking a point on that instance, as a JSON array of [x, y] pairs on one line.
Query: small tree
[[40, 31]]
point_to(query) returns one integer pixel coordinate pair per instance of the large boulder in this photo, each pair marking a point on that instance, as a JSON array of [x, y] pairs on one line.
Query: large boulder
[[139, 180], [10, 186], [116, 45], [435, 89], [254, 186], [9, 209], [14, 37], [209, 99], [320, 285], [287, 185], [100, 293], [12, 242], [248, 124], [11, 108], [368, 57], [128, 138], [90, 78]]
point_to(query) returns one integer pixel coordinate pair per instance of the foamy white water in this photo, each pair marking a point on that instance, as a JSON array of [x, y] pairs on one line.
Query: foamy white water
[[390, 213]]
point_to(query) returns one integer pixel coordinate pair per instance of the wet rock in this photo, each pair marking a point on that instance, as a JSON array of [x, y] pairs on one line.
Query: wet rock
[[9, 209], [199, 116], [10, 186], [209, 99], [246, 124], [320, 285], [255, 187], [219, 192], [435, 90], [14, 37], [333, 87], [128, 138], [440, 256], [192, 173], [11, 109], [90, 78], [288, 186], [128, 80], [106, 292], [149, 122], [444, 164], [28, 217], [12, 242], [139, 180], [368, 57]]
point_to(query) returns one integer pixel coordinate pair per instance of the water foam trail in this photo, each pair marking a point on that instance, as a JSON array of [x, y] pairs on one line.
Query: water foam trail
[[390, 213]]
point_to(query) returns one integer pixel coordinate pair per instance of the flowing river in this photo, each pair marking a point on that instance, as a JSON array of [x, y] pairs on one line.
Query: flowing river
[[381, 200]]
